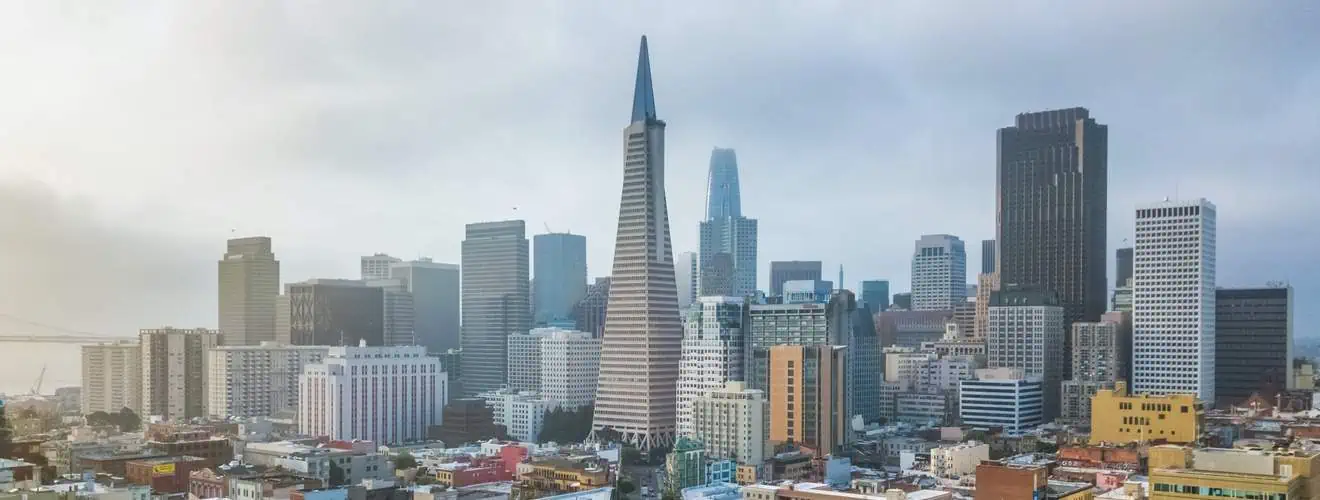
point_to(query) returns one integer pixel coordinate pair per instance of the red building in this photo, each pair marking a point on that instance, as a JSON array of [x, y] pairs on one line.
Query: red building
[[206, 483], [511, 455], [1101, 457], [479, 471], [164, 475]]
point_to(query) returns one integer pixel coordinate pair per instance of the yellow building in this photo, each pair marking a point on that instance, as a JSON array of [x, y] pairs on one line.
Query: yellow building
[[807, 396], [1118, 418], [1185, 473]]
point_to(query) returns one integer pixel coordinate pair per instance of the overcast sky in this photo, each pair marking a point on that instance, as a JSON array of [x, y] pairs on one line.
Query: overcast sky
[[135, 137]]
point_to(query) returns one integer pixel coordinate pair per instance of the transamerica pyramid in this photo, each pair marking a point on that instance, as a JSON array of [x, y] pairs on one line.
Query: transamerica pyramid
[[636, 395]]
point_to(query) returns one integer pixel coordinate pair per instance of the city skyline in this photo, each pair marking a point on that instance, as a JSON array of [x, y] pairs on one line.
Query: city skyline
[[164, 244]]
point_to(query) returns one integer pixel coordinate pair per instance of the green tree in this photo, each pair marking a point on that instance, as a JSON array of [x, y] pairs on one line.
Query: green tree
[[630, 456], [626, 486], [6, 435], [336, 475], [99, 418], [405, 460], [128, 420]]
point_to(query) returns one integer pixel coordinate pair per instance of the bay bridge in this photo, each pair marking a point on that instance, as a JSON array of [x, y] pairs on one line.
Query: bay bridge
[[59, 338]]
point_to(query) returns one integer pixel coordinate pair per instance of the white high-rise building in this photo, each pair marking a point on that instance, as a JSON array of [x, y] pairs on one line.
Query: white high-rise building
[[731, 423], [685, 275], [389, 395], [256, 381], [525, 360], [1002, 397], [1026, 331], [111, 377], [712, 353], [399, 310], [521, 413], [570, 367], [1173, 299], [377, 267], [939, 273]]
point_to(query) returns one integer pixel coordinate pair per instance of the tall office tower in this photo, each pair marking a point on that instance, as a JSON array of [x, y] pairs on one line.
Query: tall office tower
[[1026, 331], [808, 393], [111, 377], [643, 334], [719, 277], [590, 311], [791, 270], [713, 350], [1253, 342], [903, 301], [1173, 299], [875, 294], [1051, 200], [334, 312], [398, 311], [249, 283], [865, 360], [174, 371], [986, 285], [559, 263], [377, 266], [805, 317], [725, 230], [685, 273], [1097, 363], [1123, 264], [987, 256], [525, 360], [256, 381], [495, 300], [731, 423], [435, 291], [570, 367], [939, 273], [389, 395]]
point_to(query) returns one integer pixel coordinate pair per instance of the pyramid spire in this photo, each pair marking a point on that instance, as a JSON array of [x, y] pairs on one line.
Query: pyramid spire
[[643, 95]]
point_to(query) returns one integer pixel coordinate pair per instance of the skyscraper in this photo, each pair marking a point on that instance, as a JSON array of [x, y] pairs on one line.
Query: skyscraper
[[334, 312], [1123, 263], [559, 264], [875, 294], [792, 270], [249, 283], [1051, 201], [398, 310], [377, 266], [987, 256], [685, 273], [713, 353], [939, 273], [643, 334], [726, 231], [174, 371], [590, 311], [1253, 342], [435, 292], [111, 377], [1026, 331], [1173, 299], [495, 300]]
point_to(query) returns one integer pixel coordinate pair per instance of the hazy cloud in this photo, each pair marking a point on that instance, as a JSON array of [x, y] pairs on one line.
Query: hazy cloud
[[135, 136]]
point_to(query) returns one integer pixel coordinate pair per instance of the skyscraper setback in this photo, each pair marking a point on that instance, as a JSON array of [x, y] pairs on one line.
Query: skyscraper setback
[[495, 300], [643, 335], [727, 256], [249, 282], [1051, 204]]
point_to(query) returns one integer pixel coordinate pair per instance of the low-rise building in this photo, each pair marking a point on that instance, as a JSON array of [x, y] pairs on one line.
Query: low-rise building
[[1118, 418], [164, 475], [482, 470], [1002, 397], [552, 476], [315, 462], [17, 474], [958, 460], [1183, 472], [520, 413]]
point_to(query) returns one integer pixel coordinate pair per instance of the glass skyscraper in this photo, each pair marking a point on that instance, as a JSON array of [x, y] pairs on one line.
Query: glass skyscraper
[[726, 231], [875, 295], [559, 269]]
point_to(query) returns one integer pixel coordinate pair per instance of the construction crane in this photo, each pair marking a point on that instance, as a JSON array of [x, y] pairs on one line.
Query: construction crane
[[36, 388]]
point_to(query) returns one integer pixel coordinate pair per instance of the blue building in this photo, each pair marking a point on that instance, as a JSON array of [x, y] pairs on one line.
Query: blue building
[[559, 266], [875, 294]]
